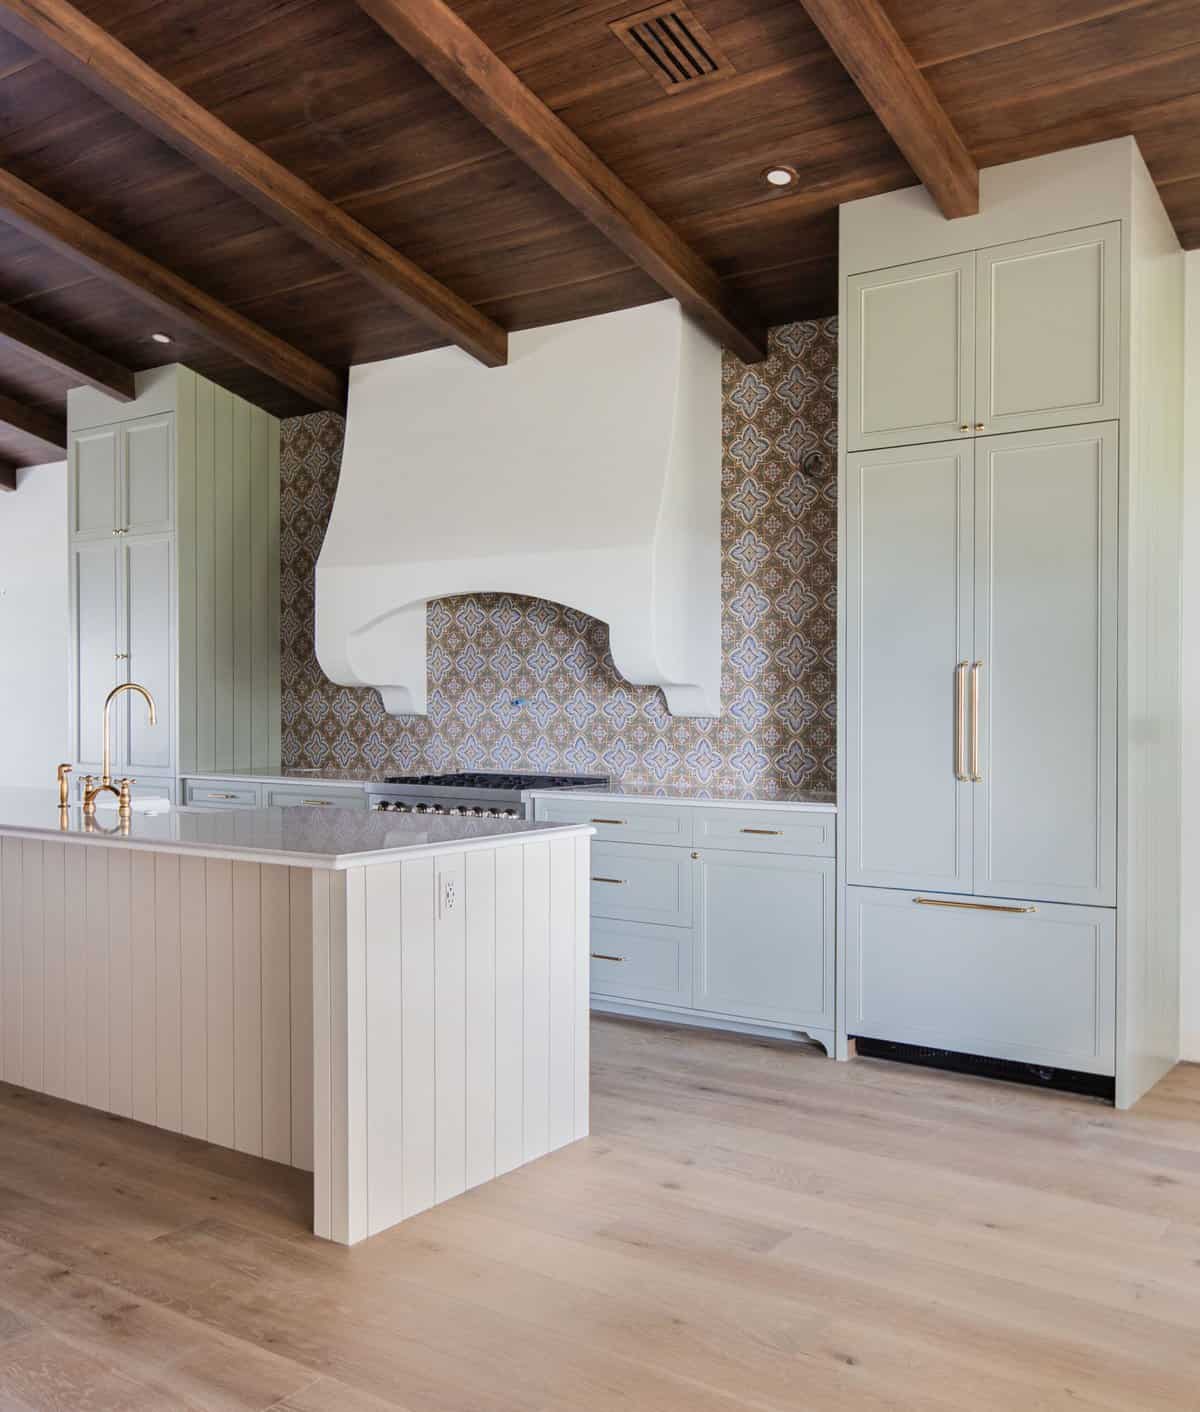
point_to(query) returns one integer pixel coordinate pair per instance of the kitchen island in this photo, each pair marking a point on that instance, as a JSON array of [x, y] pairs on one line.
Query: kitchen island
[[398, 1004]]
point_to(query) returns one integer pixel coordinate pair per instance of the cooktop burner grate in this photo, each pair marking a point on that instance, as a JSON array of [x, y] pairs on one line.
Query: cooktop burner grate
[[494, 779]]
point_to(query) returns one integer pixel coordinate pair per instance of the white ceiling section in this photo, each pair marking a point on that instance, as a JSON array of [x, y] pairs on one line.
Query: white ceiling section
[[587, 471]]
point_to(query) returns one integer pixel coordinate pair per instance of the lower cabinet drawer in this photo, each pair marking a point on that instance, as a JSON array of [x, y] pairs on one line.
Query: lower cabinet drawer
[[638, 961], [217, 794], [620, 820], [1034, 982], [807, 831], [638, 884], [314, 797]]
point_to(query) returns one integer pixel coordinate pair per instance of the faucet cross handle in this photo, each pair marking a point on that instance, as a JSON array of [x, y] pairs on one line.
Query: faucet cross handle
[[125, 798]]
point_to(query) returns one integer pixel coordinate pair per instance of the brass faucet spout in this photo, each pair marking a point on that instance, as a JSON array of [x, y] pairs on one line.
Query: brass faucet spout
[[105, 767], [106, 785]]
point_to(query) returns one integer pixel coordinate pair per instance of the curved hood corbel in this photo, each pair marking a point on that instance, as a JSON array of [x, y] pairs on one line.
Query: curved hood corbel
[[586, 471]]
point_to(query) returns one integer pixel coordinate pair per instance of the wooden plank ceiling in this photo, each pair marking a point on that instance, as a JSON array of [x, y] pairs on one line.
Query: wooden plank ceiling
[[322, 90]]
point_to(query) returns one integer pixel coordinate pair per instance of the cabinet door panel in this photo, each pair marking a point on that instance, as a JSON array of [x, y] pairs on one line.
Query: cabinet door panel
[[95, 589], [764, 937], [1046, 633], [149, 634], [1047, 329], [908, 624], [148, 449], [911, 353], [1035, 986], [93, 457]]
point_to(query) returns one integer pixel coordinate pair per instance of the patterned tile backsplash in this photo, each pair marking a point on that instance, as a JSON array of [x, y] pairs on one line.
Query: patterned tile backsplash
[[522, 683]]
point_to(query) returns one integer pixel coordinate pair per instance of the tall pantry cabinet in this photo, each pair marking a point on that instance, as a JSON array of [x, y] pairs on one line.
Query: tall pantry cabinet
[[1010, 422], [174, 578]]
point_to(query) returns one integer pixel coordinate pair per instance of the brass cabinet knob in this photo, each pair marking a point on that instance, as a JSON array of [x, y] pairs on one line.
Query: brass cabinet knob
[[966, 426], [978, 426]]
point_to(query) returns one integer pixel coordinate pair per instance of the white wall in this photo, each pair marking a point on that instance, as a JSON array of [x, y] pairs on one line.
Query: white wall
[[33, 627], [1190, 1028]]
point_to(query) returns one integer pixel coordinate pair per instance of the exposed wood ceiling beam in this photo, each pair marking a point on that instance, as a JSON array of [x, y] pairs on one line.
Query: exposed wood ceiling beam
[[73, 43], [45, 220], [873, 54], [56, 350], [466, 68], [29, 421], [8, 477]]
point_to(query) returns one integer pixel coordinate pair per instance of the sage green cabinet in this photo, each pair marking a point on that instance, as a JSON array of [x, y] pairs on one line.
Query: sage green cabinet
[[911, 353], [1016, 337], [738, 935], [122, 478], [95, 668], [980, 652], [174, 545], [764, 937], [95, 494]]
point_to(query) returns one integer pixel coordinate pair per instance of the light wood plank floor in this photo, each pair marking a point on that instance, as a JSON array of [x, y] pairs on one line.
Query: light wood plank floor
[[748, 1227]]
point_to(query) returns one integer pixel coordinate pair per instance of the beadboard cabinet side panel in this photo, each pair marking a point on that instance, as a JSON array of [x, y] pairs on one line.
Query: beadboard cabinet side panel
[[229, 581]]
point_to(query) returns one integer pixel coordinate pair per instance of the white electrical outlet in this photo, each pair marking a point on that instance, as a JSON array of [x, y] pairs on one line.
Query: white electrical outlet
[[449, 895]]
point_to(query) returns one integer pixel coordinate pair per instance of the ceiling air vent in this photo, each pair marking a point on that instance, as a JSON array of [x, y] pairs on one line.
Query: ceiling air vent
[[672, 46]]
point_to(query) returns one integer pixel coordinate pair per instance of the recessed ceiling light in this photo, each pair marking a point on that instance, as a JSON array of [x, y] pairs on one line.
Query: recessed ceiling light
[[780, 176], [161, 337]]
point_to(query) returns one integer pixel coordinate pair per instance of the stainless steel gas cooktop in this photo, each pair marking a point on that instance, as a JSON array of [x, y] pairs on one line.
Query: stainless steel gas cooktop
[[493, 794]]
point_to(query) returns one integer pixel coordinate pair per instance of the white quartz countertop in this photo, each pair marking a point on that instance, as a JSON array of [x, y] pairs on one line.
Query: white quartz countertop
[[648, 794], [344, 778], [300, 838]]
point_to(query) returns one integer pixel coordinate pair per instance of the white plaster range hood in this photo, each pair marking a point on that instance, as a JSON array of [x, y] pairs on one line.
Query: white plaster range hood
[[587, 471]]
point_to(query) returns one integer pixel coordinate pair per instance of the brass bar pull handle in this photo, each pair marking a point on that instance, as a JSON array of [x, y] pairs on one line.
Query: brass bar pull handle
[[317, 803], [973, 764], [771, 833], [973, 906], [617, 882], [960, 721], [609, 821], [220, 796], [600, 956]]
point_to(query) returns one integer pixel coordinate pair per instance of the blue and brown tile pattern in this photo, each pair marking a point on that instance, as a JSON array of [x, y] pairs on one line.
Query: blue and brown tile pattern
[[517, 683]]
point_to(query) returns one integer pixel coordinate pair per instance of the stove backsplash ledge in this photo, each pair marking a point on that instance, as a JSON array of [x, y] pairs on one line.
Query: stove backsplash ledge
[[526, 684]]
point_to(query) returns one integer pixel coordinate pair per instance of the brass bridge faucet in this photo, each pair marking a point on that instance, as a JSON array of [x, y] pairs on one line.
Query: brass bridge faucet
[[106, 786]]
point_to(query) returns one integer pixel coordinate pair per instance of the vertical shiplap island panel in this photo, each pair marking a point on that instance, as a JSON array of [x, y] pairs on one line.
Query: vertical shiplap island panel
[[510, 1009], [418, 1096], [168, 991], [479, 1147], [245, 1004], [105, 990], [54, 1040], [470, 985]]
